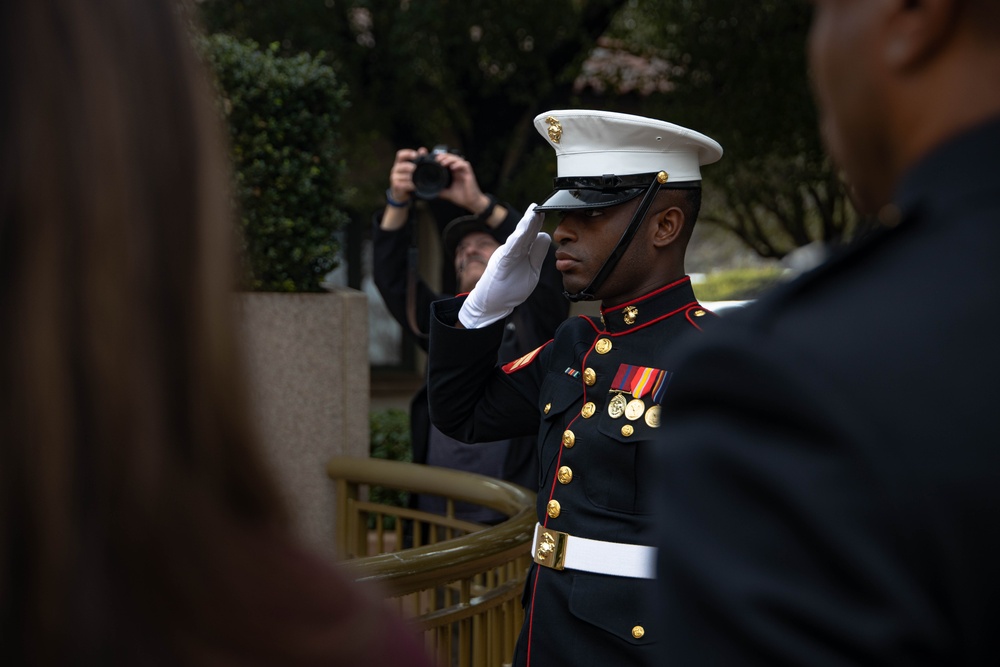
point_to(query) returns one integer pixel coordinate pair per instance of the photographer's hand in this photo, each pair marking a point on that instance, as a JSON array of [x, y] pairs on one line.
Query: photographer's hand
[[399, 196], [510, 275], [464, 190]]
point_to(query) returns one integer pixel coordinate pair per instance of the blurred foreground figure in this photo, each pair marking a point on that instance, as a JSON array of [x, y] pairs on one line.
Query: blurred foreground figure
[[828, 471], [138, 522]]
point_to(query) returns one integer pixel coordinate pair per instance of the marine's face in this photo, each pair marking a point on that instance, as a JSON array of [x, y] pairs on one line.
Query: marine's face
[[471, 256], [585, 238], [844, 49]]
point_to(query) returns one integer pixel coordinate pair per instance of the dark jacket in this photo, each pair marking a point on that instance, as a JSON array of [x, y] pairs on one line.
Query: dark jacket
[[593, 473], [530, 325], [830, 474]]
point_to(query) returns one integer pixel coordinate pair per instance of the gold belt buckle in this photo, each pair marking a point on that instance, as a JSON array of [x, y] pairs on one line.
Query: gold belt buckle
[[551, 548]]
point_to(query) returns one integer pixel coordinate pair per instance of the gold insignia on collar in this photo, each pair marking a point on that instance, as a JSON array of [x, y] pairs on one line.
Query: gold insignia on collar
[[630, 314], [555, 129]]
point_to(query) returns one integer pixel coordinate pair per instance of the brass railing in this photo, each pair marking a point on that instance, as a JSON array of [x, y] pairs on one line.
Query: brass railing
[[459, 581]]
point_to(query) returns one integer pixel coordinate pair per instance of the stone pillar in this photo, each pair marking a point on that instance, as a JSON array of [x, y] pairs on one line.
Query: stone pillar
[[308, 367]]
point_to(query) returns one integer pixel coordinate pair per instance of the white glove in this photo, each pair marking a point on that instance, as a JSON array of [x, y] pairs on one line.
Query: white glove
[[510, 276]]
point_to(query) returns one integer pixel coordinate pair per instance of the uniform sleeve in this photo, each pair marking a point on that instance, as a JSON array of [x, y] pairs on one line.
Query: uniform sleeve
[[390, 266], [471, 398], [780, 535]]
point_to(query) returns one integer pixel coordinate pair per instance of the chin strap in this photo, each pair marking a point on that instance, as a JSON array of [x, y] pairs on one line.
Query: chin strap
[[588, 293]]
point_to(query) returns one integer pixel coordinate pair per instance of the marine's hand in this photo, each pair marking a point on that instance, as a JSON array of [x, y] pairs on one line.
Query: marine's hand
[[510, 275]]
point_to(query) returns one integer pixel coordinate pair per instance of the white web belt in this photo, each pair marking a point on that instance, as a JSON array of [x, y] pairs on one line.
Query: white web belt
[[559, 551]]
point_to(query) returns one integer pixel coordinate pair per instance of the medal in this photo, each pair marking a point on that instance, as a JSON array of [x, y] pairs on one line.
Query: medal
[[616, 407], [634, 409], [653, 416]]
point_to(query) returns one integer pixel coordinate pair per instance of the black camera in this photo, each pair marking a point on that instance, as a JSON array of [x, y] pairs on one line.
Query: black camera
[[429, 177]]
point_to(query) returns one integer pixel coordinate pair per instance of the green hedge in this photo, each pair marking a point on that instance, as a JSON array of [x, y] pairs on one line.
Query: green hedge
[[390, 439], [737, 284], [282, 116]]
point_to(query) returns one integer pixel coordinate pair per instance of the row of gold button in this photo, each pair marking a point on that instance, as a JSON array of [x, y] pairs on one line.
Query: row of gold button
[[565, 473]]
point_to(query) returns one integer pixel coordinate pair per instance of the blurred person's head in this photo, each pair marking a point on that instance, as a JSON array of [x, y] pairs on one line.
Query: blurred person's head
[[469, 243], [893, 79], [471, 256], [126, 448]]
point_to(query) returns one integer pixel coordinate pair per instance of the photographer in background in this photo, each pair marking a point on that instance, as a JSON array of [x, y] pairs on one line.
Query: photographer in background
[[468, 243]]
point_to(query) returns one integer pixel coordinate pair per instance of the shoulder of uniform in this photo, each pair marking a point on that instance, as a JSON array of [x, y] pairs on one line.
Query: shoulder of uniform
[[698, 314]]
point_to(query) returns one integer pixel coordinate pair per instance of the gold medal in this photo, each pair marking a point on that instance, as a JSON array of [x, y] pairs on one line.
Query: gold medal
[[653, 416], [634, 409], [616, 407]]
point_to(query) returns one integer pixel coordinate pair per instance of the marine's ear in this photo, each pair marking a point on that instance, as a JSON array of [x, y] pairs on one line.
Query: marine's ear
[[669, 225], [917, 29]]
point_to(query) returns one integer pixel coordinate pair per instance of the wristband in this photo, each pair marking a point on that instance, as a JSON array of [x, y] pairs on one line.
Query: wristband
[[488, 211], [392, 202]]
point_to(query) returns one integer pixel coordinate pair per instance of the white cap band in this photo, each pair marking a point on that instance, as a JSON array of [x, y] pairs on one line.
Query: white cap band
[[594, 143]]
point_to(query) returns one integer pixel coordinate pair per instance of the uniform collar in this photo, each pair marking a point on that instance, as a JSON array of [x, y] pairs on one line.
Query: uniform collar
[[961, 167], [675, 297]]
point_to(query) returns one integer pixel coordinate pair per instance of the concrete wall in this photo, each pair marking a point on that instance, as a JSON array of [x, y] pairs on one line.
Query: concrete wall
[[308, 365]]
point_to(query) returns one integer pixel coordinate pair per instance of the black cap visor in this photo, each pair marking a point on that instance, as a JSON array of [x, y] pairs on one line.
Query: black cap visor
[[578, 198], [592, 192]]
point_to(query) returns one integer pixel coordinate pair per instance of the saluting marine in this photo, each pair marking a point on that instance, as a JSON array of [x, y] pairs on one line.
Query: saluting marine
[[628, 192]]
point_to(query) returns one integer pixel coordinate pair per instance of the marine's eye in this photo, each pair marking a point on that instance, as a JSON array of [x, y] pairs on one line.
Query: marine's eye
[[593, 212]]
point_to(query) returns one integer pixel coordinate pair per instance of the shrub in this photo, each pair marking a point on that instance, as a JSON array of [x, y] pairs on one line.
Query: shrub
[[282, 115], [390, 439], [737, 284]]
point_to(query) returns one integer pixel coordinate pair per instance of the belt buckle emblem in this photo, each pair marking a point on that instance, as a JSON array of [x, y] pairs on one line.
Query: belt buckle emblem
[[551, 550]]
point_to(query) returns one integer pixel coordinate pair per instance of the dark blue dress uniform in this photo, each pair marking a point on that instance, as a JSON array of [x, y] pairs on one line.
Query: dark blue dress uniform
[[591, 396], [830, 488]]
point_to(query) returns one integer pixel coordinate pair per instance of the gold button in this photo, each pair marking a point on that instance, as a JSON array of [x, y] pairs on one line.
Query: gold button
[[553, 509], [603, 345], [565, 475], [589, 377], [699, 313], [627, 430], [569, 439], [548, 406], [588, 410], [638, 631]]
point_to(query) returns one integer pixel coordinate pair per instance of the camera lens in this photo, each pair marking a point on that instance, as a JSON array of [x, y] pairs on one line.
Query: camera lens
[[429, 177]]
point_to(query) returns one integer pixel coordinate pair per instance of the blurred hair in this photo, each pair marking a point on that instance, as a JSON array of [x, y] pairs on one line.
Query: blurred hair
[[126, 442], [983, 17]]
